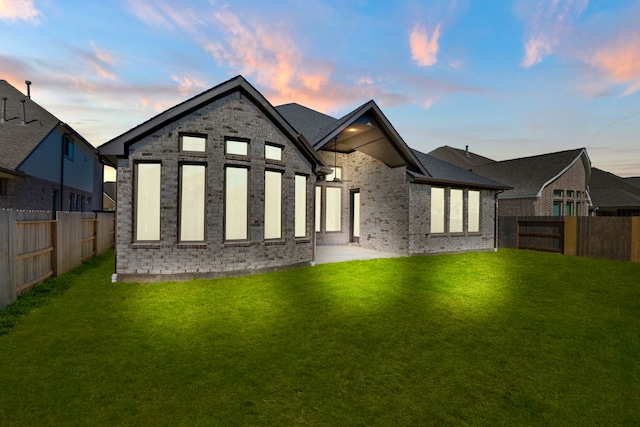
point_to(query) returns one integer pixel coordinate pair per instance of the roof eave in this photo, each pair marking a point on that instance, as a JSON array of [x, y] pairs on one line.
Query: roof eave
[[428, 180]]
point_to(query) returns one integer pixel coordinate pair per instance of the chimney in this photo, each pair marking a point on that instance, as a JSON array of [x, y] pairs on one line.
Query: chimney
[[466, 150], [4, 110], [24, 113], [28, 82]]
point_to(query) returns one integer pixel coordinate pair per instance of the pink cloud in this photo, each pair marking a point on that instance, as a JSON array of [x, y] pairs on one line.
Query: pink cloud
[[620, 62], [19, 10], [424, 49], [547, 23]]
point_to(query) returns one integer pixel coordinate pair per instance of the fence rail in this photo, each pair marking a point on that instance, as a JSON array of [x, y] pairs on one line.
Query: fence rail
[[33, 247], [596, 237]]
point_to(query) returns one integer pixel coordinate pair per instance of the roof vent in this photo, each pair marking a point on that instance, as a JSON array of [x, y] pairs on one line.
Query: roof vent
[[24, 113], [4, 110], [466, 150], [28, 82]]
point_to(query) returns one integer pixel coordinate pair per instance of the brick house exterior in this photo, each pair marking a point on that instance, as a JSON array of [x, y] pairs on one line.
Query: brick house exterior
[[363, 186], [552, 184], [44, 163]]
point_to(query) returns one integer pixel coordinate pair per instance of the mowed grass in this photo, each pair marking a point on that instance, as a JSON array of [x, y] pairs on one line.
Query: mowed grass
[[506, 338]]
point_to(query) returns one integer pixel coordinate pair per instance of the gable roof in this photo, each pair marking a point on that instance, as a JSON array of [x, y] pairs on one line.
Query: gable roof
[[445, 172], [609, 190], [461, 158], [19, 137], [375, 135], [528, 176], [634, 180], [118, 146]]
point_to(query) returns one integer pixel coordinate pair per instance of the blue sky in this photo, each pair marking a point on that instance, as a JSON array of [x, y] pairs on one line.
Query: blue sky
[[508, 78]]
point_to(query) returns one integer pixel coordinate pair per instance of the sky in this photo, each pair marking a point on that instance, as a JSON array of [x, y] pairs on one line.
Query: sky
[[507, 78]]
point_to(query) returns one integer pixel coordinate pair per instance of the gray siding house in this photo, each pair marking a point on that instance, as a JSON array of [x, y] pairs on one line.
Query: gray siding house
[[226, 184], [44, 163]]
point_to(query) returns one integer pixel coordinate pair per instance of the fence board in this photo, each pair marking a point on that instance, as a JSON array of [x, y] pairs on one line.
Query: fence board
[[605, 237], [69, 241], [7, 255]]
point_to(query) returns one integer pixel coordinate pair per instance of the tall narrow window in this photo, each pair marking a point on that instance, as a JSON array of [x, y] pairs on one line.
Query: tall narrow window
[[68, 148], [473, 211], [301, 206], [192, 203], [557, 208], [455, 210], [334, 209], [569, 209], [437, 210], [236, 203], [147, 227], [272, 205], [318, 208]]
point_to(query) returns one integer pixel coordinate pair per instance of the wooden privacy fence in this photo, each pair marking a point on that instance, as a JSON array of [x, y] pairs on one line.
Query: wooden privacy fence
[[590, 236], [34, 247]]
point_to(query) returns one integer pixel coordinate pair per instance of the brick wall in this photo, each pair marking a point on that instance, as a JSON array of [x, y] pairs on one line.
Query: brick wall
[[33, 193], [384, 203], [572, 180], [422, 241], [231, 116]]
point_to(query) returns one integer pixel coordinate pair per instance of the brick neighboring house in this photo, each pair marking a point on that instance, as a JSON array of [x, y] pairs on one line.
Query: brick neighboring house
[[44, 163], [613, 195], [552, 184], [226, 184]]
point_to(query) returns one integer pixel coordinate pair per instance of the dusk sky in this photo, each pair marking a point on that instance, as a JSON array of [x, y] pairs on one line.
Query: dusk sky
[[508, 78]]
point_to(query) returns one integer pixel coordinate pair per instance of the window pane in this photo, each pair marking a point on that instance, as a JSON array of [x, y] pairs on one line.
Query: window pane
[[192, 202], [455, 222], [301, 206], [272, 205], [148, 201], [569, 208], [437, 210], [334, 209], [557, 208], [236, 203], [557, 193], [356, 214], [474, 211], [336, 174], [194, 143], [240, 148], [272, 152], [318, 208]]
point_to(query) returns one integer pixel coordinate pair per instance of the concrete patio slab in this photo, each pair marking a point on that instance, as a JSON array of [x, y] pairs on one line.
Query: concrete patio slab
[[327, 254]]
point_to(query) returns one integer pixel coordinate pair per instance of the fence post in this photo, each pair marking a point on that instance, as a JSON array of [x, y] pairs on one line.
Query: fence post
[[635, 239], [571, 235], [8, 285]]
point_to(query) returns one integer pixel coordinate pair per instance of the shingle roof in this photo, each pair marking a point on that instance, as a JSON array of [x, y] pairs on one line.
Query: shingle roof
[[445, 171], [305, 120], [17, 140], [529, 175], [462, 158], [634, 180], [609, 190]]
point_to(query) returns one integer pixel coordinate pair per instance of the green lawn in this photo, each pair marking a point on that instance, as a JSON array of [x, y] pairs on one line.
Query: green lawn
[[506, 338]]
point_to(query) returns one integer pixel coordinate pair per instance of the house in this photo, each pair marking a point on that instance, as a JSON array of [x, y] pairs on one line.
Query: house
[[634, 180], [613, 195], [552, 184], [226, 184], [45, 164], [109, 196]]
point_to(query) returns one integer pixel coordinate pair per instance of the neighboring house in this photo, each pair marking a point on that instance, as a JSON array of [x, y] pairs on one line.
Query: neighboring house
[[225, 184], [552, 184], [44, 163], [634, 180], [613, 195], [109, 196]]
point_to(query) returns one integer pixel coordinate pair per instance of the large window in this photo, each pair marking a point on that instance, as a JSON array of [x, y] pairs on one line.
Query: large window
[[236, 203], [272, 205], [192, 203], [473, 211], [147, 207], [557, 208], [334, 209], [437, 210], [301, 206], [455, 211], [318, 209]]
